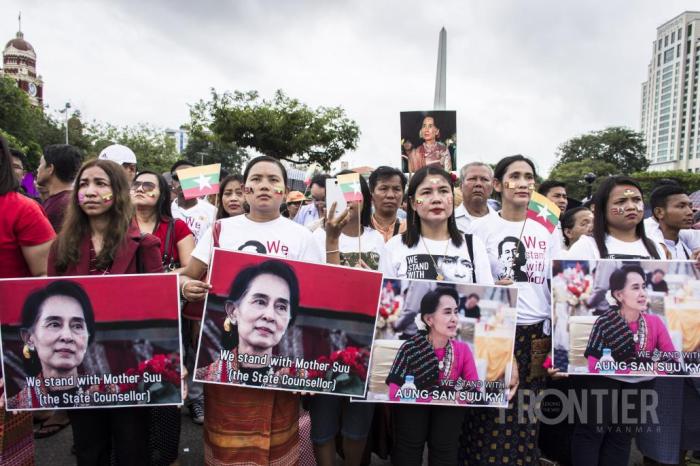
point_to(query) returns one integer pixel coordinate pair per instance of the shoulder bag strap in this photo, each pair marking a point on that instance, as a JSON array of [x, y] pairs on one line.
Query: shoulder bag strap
[[470, 250]]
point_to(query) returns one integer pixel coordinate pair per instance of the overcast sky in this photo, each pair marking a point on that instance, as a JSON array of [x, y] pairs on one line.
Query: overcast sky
[[523, 76]]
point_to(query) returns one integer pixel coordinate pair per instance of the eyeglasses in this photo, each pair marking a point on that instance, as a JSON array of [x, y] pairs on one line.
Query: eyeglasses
[[146, 186]]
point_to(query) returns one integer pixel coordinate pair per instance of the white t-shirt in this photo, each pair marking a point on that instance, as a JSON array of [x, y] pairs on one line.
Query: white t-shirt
[[467, 223], [529, 269], [687, 239], [280, 237], [453, 263], [199, 218], [372, 247], [587, 249]]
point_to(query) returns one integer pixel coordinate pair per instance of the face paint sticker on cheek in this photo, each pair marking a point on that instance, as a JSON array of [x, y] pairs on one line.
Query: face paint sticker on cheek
[[639, 206], [420, 200], [81, 198], [247, 190], [531, 186], [107, 198], [617, 210], [279, 191]]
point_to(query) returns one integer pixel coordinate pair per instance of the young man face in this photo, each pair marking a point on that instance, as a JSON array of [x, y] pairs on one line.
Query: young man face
[[678, 213], [559, 197], [18, 168]]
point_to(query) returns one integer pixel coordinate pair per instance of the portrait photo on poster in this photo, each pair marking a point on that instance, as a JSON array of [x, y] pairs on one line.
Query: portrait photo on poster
[[626, 317], [83, 342], [280, 324], [442, 343], [428, 137]]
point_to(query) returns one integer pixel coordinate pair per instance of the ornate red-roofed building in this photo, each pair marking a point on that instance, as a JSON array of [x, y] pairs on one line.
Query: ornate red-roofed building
[[19, 63]]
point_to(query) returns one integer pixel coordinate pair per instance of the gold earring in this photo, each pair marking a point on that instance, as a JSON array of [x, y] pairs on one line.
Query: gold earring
[[26, 352], [228, 324]]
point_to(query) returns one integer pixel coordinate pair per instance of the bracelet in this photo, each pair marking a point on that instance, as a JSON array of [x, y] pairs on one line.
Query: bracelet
[[333, 251], [182, 291]]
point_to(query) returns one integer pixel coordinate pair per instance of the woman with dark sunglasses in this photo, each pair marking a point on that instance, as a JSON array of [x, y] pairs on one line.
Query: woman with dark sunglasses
[[150, 195]]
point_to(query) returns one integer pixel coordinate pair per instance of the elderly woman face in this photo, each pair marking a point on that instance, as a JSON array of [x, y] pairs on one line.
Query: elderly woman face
[[60, 335], [429, 132], [444, 321], [633, 296], [263, 312]]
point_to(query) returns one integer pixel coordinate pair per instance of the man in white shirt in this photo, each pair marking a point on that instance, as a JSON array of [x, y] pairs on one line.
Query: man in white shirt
[[476, 180], [673, 211], [198, 214], [315, 210]]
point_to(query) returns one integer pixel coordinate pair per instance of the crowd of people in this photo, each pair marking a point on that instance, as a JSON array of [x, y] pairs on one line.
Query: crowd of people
[[111, 216]]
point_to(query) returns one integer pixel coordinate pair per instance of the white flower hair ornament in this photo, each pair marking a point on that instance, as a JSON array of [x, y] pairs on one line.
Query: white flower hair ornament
[[419, 323]]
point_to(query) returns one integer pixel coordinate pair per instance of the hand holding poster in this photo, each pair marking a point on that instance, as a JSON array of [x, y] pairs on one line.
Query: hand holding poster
[[626, 318], [442, 343], [287, 325], [78, 342]]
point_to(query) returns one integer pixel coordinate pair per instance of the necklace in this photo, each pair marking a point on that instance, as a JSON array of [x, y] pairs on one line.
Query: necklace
[[381, 227], [445, 365], [439, 276]]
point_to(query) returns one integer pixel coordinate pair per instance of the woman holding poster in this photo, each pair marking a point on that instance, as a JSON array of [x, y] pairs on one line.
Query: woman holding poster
[[274, 436], [520, 252], [431, 235], [341, 241], [25, 238], [618, 233], [99, 237], [432, 358]]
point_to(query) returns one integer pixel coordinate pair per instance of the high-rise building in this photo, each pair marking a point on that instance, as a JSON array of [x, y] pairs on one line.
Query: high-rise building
[[670, 116]]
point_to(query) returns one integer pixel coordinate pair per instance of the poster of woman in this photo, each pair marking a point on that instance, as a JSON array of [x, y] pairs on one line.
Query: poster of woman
[[287, 325], [79, 342], [428, 137], [428, 350], [627, 318]]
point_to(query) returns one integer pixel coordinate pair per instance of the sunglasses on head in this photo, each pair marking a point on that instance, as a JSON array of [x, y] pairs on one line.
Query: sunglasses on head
[[146, 186]]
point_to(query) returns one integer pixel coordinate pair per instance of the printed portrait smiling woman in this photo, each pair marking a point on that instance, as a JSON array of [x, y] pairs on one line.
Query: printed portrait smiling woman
[[627, 328], [58, 325], [262, 303]]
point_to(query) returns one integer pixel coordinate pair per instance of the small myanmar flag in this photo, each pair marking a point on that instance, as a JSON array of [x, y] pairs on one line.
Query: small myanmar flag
[[543, 211], [199, 181], [309, 173], [350, 186]]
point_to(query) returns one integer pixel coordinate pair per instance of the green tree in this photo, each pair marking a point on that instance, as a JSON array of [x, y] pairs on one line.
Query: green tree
[[205, 149], [648, 180], [154, 150], [619, 146], [572, 174], [282, 127]]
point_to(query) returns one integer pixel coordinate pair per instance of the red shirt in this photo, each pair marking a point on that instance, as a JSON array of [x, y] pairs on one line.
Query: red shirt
[[22, 223], [55, 207], [180, 231]]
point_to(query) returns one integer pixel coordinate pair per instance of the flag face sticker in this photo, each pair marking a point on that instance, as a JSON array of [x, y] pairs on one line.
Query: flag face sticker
[[543, 211], [350, 185], [199, 181]]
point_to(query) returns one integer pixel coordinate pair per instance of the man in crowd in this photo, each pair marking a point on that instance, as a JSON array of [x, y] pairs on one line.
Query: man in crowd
[[123, 156], [555, 191], [316, 210], [19, 161], [470, 306], [387, 185], [57, 169], [198, 214], [476, 183], [673, 211]]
